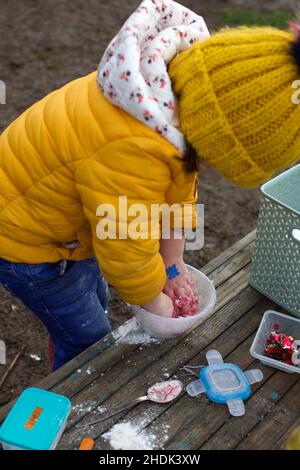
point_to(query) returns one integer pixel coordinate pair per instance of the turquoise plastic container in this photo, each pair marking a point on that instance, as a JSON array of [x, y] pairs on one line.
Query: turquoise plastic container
[[36, 421], [275, 268]]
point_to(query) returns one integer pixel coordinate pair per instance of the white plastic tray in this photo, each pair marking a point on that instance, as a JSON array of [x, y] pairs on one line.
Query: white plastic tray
[[287, 324]]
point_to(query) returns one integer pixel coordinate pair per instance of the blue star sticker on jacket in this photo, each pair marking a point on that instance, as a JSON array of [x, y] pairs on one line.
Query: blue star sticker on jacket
[[172, 272]]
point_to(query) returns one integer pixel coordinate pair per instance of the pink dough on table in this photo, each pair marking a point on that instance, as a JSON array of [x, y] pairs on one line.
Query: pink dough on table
[[164, 392]]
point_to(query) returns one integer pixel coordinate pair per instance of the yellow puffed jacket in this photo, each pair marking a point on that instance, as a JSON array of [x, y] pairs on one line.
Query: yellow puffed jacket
[[61, 159]]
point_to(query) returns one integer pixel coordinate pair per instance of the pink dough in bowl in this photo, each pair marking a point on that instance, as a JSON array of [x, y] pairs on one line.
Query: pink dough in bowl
[[161, 327]]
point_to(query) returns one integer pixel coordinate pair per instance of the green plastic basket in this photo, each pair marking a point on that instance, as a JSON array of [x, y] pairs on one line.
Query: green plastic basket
[[275, 268]]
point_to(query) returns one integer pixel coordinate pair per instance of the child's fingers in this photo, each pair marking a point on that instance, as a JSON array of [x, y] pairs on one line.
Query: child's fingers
[[179, 291], [169, 291], [184, 289], [177, 288]]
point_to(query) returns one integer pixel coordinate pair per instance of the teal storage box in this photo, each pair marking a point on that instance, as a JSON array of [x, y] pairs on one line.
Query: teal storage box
[[36, 421], [275, 268]]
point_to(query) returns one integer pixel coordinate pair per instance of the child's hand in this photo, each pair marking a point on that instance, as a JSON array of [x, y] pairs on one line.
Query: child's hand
[[178, 277], [181, 289], [171, 251], [162, 305]]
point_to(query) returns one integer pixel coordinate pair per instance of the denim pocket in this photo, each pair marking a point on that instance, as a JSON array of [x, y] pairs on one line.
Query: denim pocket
[[92, 262], [5, 266], [41, 274]]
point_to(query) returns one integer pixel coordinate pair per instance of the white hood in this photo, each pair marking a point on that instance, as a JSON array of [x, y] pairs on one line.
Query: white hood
[[133, 71]]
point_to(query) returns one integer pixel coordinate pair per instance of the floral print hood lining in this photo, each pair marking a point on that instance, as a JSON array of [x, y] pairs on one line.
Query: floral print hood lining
[[133, 72]]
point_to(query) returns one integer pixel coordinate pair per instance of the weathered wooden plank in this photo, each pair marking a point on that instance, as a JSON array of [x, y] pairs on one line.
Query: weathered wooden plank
[[97, 366], [280, 418], [231, 252], [233, 265], [177, 357], [209, 416], [73, 384], [181, 416], [281, 443], [105, 346], [142, 359], [259, 405], [176, 415]]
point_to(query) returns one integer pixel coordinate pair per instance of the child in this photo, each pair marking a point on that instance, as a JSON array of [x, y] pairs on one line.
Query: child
[[122, 132]]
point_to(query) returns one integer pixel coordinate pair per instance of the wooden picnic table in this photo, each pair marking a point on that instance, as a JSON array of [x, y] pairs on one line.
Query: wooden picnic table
[[116, 370]]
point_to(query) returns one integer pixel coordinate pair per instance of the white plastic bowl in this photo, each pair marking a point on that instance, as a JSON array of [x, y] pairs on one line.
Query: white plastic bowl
[[161, 327]]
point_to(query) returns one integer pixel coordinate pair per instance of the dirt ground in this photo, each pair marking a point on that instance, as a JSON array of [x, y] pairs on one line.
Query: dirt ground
[[44, 44]]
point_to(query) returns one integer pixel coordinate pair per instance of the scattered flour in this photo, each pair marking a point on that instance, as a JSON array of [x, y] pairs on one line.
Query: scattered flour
[[132, 333], [127, 436], [101, 409], [88, 411], [83, 408], [89, 370], [35, 357], [162, 435]]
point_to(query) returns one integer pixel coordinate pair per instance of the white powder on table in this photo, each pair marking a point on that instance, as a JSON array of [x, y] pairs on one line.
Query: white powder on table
[[35, 357], [84, 408], [127, 436], [132, 333], [89, 370]]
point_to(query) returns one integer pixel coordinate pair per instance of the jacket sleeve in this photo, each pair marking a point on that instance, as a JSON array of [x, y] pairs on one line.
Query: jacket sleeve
[[126, 172], [183, 193]]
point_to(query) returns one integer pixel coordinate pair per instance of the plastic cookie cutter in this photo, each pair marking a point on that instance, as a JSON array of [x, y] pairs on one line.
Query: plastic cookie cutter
[[224, 383]]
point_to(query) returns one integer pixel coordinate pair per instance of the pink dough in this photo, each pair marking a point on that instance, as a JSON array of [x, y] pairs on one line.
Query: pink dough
[[164, 392], [187, 305]]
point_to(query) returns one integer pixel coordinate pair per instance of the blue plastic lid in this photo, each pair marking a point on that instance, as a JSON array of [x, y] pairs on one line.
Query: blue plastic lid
[[35, 420], [225, 382]]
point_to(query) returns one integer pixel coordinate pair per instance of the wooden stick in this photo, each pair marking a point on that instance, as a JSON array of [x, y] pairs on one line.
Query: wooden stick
[[12, 365], [21, 332]]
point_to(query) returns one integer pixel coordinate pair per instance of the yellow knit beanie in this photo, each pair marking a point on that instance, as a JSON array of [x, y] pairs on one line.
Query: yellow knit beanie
[[235, 102]]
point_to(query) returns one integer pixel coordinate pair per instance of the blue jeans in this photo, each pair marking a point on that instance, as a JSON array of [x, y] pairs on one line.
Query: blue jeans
[[70, 298]]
